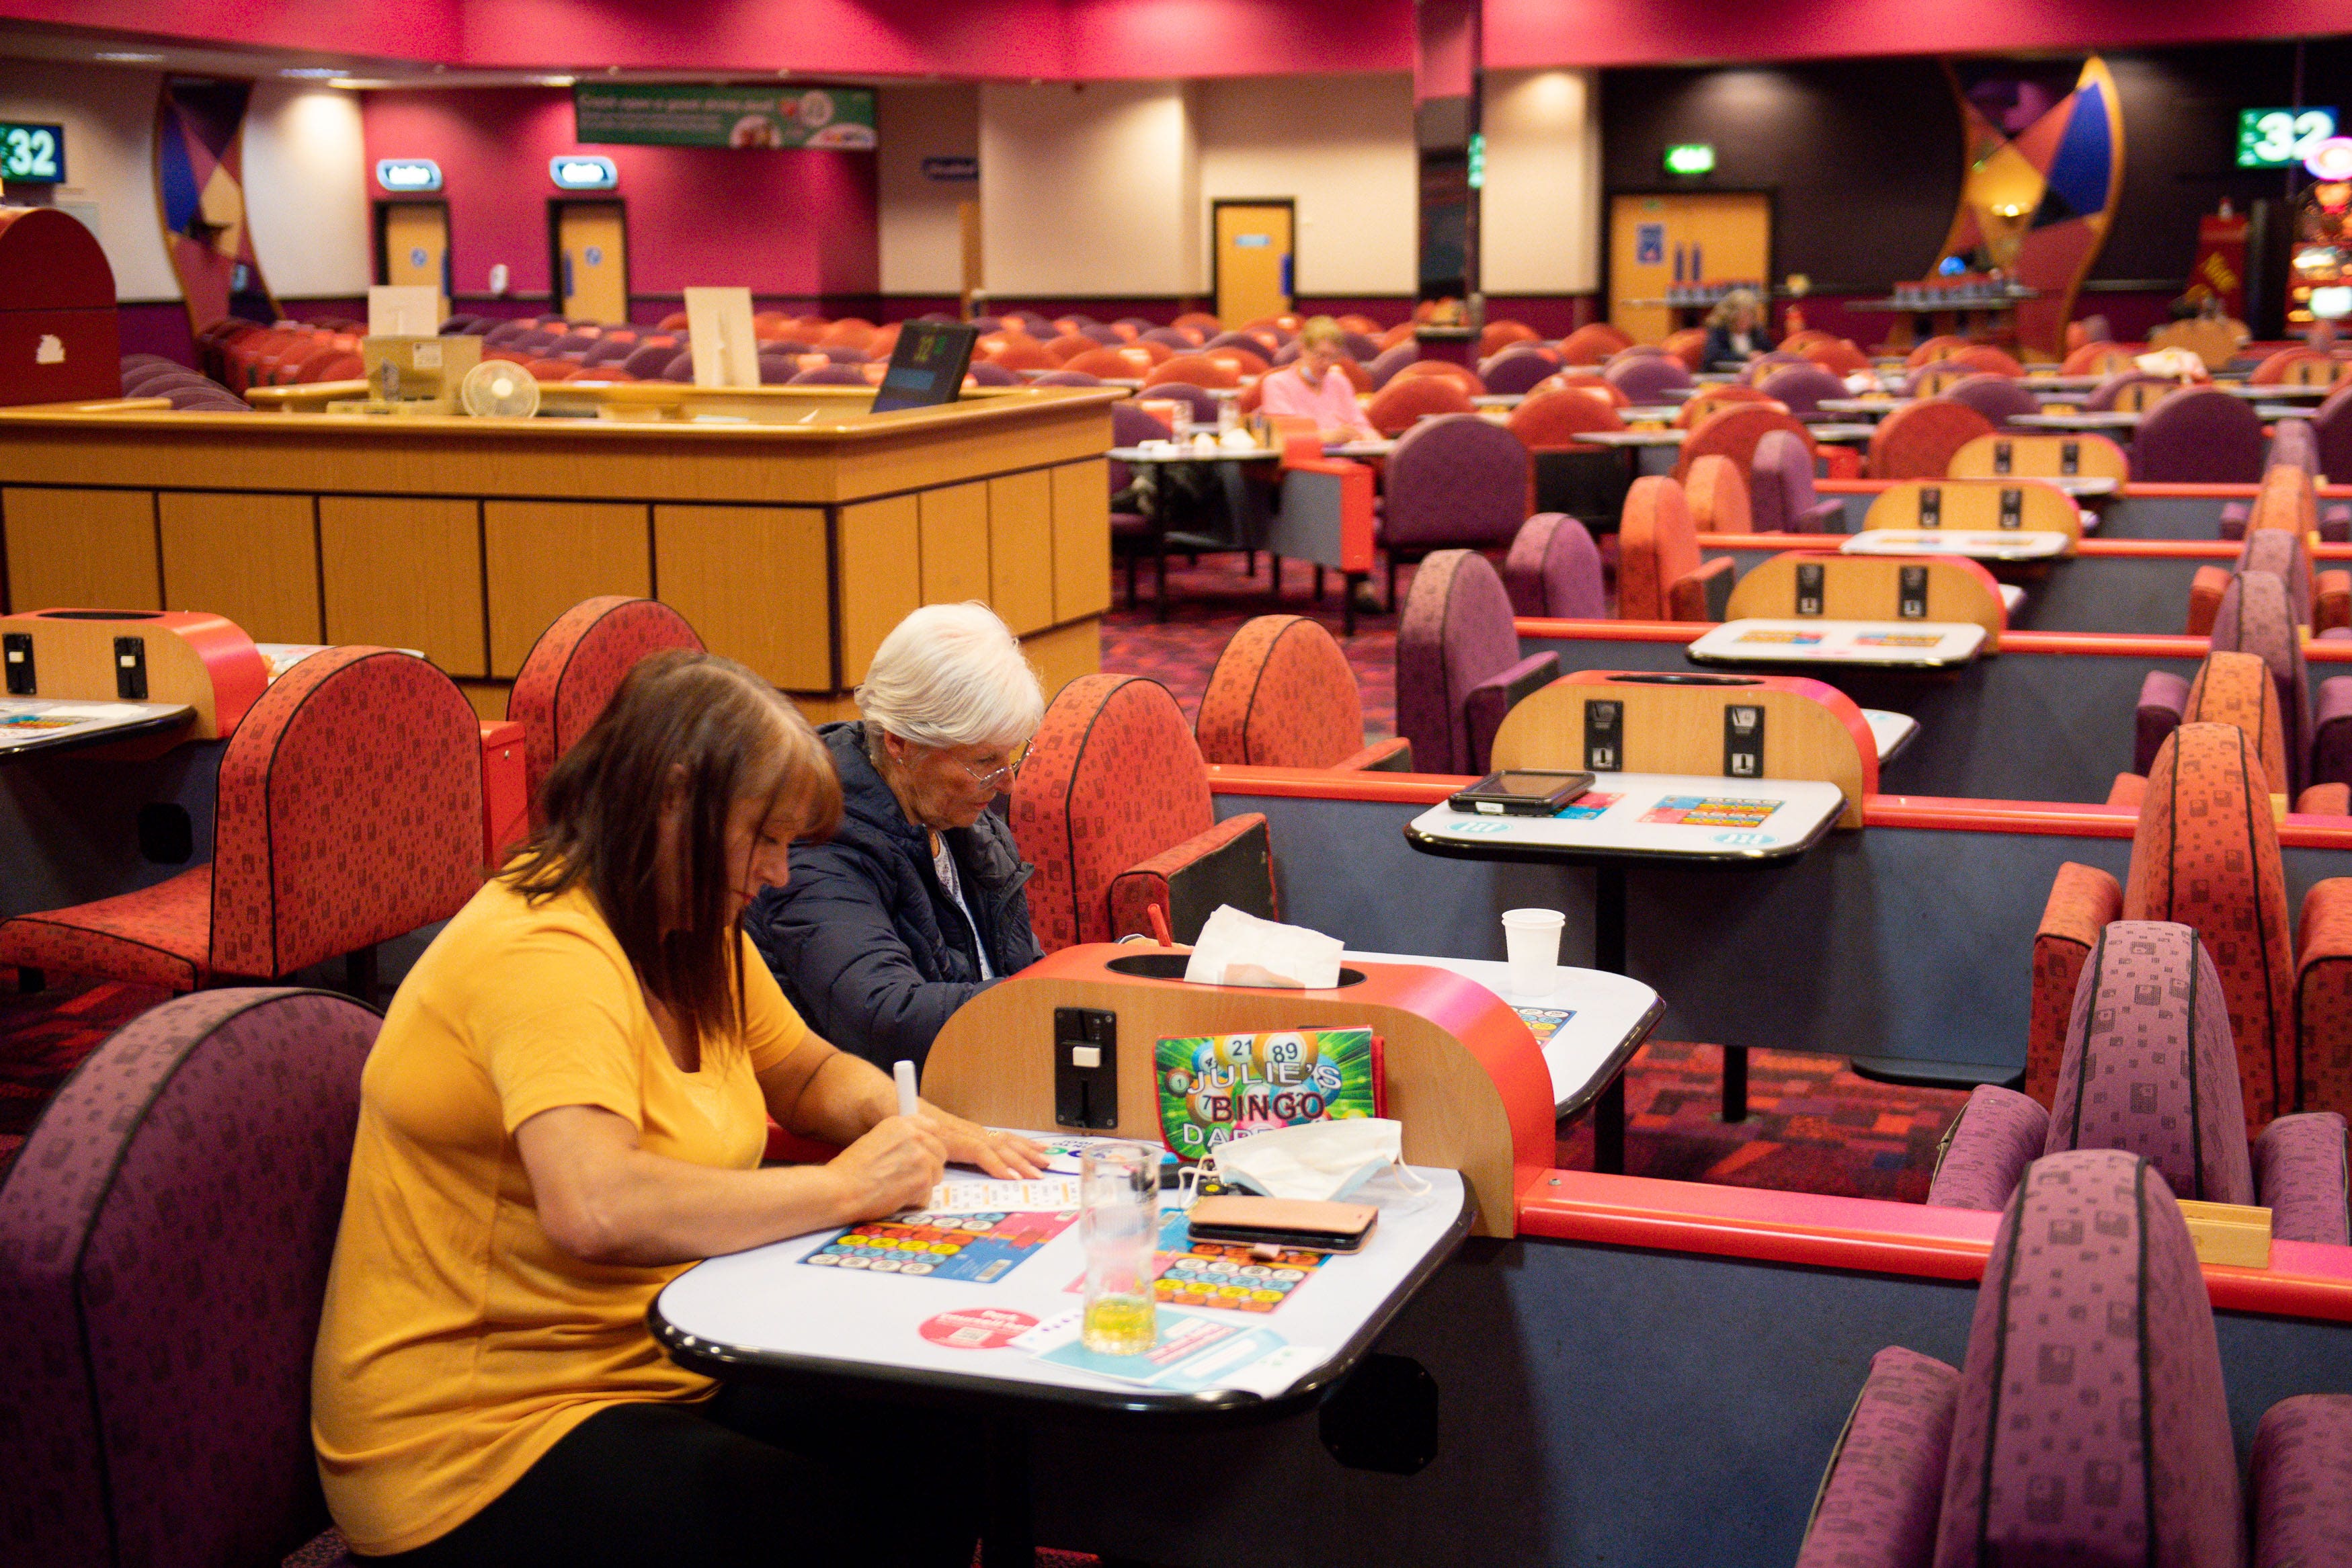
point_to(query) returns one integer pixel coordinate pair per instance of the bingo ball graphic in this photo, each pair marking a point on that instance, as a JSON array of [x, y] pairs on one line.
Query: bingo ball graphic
[[816, 109], [754, 131]]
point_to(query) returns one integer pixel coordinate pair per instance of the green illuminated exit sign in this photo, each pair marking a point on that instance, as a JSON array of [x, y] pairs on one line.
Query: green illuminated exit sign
[[1691, 158]]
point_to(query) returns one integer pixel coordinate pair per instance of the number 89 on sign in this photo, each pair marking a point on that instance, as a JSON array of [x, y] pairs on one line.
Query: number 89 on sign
[[32, 154]]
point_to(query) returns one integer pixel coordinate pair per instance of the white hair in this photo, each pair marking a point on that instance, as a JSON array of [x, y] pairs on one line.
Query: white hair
[[951, 674]]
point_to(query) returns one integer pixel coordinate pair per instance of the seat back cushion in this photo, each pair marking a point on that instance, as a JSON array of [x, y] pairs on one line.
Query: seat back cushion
[[1733, 431], [2283, 553], [164, 1238], [1781, 491], [1455, 632], [2149, 1066], [1657, 546], [2205, 854], [1554, 568], [1918, 440], [1717, 496], [1112, 778], [1456, 480], [1282, 695], [350, 812], [2091, 1424], [2236, 688], [576, 665], [1879, 1495], [2257, 616]]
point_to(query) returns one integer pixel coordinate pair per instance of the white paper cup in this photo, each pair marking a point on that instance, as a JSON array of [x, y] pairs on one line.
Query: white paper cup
[[1531, 943]]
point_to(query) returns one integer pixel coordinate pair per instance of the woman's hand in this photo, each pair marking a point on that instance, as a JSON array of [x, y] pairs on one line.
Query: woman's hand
[[1008, 1156], [892, 1168]]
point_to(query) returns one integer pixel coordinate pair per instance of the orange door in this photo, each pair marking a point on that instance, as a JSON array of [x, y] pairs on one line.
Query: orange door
[[1254, 269], [417, 246], [591, 261], [1718, 236]]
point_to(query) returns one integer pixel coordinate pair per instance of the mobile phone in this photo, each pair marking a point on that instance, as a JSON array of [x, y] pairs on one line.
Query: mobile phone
[[1521, 793], [1283, 1222]]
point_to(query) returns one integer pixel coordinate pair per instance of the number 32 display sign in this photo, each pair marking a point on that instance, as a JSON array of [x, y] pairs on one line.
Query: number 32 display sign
[[32, 154]]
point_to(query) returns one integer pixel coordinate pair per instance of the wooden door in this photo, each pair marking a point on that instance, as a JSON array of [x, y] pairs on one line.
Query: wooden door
[[1252, 260], [591, 261], [413, 246], [1719, 236]]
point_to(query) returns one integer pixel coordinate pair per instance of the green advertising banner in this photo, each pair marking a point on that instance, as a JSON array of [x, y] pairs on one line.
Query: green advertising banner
[[694, 114]]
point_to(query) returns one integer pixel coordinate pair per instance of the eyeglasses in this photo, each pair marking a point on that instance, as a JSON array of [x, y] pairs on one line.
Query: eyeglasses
[[994, 779]]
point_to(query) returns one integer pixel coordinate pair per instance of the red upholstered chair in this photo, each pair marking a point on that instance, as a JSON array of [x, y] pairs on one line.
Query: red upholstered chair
[[574, 668], [1659, 574], [1840, 358], [1112, 806], [165, 1239], [2097, 358], [1282, 695], [1553, 417], [1942, 346], [1733, 433], [1714, 399], [1458, 667], [1462, 376], [1497, 336], [1717, 496], [1918, 441], [350, 812], [1191, 369], [2205, 853], [1593, 343], [1686, 345]]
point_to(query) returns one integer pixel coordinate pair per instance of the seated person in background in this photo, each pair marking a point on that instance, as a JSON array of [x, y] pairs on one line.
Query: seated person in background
[[1735, 329], [567, 1104], [915, 904], [1311, 387]]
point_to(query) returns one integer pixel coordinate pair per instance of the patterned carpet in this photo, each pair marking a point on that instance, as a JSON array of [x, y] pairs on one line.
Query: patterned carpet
[[44, 1037]]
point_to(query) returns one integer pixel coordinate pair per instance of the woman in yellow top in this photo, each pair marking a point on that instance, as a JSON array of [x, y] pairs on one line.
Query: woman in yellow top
[[567, 1104]]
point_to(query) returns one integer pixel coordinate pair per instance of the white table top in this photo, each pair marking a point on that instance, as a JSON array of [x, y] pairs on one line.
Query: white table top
[[1631, 437], [1497, 399], [1835, 430], [1978, 544], [1642, 816], [1360, 449], [2060, 383], [765, 1307], [37, 723], [2255, 393], [1889, 732], [1879, 406], [2089, 419], [1184, 451], [1609, 1015], [1649, 414], [1914, 645], [2282, 410]]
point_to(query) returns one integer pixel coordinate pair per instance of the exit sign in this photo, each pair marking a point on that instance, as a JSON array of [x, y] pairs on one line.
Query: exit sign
[[1691, 158]]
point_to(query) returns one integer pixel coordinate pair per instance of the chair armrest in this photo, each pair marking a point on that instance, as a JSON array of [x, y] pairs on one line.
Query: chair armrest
[[1701, 595], [2233, 520], [2128, 789], [1816, 518], [2325, 800], [1381, 757], [1883, 1490], [2331, 731], [2299, 1169], [1484, 705], [2331, 600], [2163, 696], [2336, 524], [1996, 1135], [2302, 1509], [506, 793], [2083, 901], [2205, 591], [1231, 863]]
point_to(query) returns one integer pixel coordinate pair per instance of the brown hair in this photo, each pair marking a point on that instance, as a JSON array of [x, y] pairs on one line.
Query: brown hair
[[701, 732]]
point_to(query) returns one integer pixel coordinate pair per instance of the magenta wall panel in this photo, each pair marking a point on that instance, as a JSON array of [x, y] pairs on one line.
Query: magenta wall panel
[[780, 223]]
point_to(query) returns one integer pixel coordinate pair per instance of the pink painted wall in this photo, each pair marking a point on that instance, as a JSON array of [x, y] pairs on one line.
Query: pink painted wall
[[798, 224], [1532, 33], [388, 29]]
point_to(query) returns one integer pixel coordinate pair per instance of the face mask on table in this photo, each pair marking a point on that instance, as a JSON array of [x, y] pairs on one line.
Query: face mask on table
[[1314, 1161]]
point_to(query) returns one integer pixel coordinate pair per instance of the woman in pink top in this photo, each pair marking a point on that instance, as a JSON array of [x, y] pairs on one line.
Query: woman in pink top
[[1311, 387]]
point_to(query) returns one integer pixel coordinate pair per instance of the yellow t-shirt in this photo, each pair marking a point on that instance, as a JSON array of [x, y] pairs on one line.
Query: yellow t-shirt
[[459, 1344]]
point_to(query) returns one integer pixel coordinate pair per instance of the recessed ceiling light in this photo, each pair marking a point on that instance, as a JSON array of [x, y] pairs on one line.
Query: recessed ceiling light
[[127, 58], [312, 73], [358, 84], [556, 81]]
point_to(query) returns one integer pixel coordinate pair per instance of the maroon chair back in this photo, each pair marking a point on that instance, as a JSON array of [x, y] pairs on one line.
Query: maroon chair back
[[1554, 569], [2199, 435], [1455, 633], [1456, 479], [164, 1238], [574, 668]]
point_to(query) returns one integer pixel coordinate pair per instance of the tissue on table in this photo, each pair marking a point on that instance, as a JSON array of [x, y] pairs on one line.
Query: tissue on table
[[1236, 948]]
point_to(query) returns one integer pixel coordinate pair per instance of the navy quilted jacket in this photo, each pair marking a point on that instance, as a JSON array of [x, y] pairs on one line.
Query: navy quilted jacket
[[867, 945]]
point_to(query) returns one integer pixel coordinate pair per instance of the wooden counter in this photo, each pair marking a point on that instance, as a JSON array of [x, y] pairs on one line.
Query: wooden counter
[[793, 529]]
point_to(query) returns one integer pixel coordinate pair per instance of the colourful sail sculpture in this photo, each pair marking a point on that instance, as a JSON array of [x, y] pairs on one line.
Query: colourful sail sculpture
[[2038, 189], [200, 190]]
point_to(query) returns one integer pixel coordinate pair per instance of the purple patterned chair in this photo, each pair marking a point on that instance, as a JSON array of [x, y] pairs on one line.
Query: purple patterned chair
[[825, 375], [777, 370], [2293, 446], [650, 360], [2152, 1068], [1203, 404], [2120, 391], [2302, 1474], [1801, 386], [1554, 569], [681, 368], [1389, 361], [1066, 379], [1133, 533], [2199, 435], [1456, 480], [1997, 397], [2089, 1423], [164, 1238], [1518, 369], [1647, 378], [1780, 497], [983, 375], [2257, 616], [1458, 667], [1168, 337]]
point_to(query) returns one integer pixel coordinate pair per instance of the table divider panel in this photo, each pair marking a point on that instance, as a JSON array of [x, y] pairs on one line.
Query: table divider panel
[[405, 572], [81, 548]]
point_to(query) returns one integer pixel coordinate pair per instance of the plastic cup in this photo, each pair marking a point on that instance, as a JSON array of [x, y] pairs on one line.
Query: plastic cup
[[1119, 1221], [1531, 943]]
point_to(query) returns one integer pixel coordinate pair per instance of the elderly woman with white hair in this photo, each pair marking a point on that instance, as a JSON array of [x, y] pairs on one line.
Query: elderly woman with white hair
[[915, 902]]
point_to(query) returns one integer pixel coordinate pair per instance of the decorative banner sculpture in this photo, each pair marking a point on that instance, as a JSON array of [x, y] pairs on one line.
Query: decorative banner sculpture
[[2038, 189], [200, 186]]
